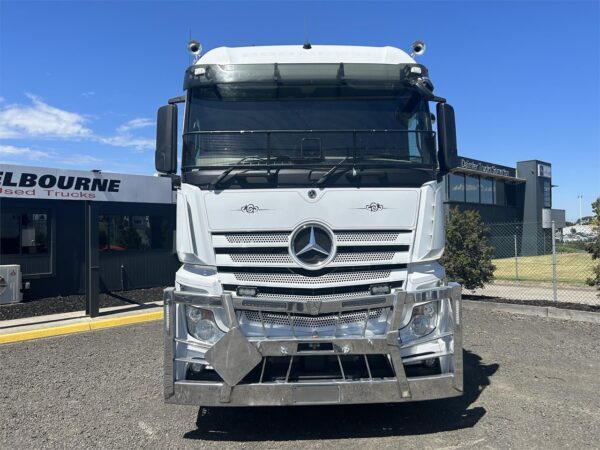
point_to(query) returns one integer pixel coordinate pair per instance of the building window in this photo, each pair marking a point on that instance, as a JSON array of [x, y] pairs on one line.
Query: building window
[[24, 233], [511, 194], [547, 194], [121, 233], [472, 188], [456, 187], [486, 186]]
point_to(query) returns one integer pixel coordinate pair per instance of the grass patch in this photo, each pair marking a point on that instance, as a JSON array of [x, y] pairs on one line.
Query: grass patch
[[570, 268]]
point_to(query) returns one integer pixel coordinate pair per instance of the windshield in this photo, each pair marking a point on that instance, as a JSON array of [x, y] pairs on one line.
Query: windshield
[[231, 124]]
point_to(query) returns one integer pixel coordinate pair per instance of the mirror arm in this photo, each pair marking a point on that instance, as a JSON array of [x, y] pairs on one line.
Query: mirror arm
[[419, 85], [174, 100]]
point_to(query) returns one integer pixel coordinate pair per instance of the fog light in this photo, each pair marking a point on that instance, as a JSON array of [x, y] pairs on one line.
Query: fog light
[[380, 289], [201, 324], [246, 291]]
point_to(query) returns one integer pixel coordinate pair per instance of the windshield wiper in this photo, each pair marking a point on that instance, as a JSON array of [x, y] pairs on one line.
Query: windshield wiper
[[240, 165], [334, 169], [227, 171]]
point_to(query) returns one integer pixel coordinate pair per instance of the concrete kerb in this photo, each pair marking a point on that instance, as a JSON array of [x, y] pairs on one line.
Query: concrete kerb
[[539, 311], [47, 327], [58, 325]]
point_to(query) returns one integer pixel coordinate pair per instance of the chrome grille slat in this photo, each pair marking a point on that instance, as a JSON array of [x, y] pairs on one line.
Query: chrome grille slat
[[301, 297], [294, 278], [281, 237], [364, 256], [257, 238], [366, 236], [284, 258], [262, 258], [304, 321]]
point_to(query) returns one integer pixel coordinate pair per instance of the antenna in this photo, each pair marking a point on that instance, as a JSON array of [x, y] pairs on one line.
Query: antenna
[[306, 45], [189, 54]]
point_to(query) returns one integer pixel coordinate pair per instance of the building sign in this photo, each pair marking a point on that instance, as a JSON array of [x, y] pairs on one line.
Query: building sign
[[56, 184], [544, 170], [553, 215], [486, 168]]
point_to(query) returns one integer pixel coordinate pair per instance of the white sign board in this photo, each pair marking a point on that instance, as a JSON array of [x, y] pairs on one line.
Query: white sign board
[[544, 170], [56, 184], [553, 215]]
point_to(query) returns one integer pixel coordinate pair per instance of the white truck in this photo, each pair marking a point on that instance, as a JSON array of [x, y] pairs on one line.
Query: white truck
[[310, 222]]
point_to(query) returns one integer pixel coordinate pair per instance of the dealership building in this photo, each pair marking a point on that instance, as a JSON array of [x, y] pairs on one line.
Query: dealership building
[[503, 195], [66, 232], [73, 232]]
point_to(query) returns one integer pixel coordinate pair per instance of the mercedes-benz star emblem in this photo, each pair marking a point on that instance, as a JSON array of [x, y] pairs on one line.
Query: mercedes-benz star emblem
[[312, 246]]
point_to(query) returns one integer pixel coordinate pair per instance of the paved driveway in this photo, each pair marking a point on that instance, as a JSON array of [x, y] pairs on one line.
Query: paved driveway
[[531, 382]]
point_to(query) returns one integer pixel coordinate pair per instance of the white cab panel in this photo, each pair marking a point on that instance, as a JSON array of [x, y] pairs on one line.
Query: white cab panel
[[285, 209]]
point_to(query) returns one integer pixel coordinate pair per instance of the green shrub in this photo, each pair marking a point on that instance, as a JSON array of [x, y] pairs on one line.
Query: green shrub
[[468, 256]]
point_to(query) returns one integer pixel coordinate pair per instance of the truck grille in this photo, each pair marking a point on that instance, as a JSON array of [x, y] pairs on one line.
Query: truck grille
[[262, 259]]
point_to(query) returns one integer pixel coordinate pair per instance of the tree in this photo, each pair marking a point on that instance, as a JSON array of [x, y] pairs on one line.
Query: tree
[[594, 246], [468, 256]]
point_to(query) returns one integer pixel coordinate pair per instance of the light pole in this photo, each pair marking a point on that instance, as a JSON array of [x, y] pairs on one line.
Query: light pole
[[580, 197]]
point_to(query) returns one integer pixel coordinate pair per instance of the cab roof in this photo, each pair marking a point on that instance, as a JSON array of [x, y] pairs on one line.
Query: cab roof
[[317, 54]]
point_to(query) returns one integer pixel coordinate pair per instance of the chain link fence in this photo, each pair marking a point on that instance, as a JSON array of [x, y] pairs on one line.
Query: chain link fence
[[531, 265]]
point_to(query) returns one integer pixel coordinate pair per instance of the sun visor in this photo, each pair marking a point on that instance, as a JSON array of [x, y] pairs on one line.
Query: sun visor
[[392, 75]]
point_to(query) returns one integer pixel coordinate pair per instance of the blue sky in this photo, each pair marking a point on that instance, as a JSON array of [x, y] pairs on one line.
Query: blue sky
[[80, 82]]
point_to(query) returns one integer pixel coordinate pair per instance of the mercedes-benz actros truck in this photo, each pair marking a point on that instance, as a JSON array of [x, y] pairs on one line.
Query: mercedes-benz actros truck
[[310, 222]]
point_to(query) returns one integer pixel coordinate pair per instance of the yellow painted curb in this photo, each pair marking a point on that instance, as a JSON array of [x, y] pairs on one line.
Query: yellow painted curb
[[92, 324], [127, 320]]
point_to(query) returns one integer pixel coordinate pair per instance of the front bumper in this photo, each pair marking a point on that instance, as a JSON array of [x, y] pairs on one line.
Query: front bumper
[[235, 355]]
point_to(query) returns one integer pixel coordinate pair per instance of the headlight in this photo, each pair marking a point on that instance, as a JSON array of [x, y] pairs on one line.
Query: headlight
[[201, 324], [423, 321]]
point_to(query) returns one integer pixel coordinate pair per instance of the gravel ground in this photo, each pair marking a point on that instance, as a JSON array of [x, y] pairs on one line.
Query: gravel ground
[[57, 305], [530, 383]]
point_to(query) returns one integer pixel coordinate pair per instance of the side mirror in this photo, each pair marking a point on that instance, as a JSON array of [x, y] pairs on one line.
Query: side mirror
[[446, 126], [165, 158]]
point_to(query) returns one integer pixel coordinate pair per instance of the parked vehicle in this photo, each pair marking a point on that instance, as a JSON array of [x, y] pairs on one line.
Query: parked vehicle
[[309, 227]]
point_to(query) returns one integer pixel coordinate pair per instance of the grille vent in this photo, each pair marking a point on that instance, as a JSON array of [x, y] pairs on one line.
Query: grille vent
[[281, 237], [293, 278], [303, 321], [284, 258], [257, 238]]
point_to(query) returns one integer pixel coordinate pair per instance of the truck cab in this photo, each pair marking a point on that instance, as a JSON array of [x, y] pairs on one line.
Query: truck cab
[[310, 223]]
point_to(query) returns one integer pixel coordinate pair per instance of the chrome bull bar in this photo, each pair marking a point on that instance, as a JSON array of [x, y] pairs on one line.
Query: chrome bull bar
[[235, 355]]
